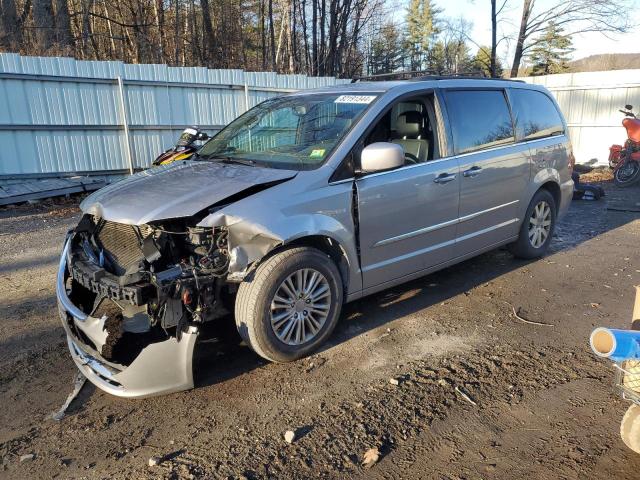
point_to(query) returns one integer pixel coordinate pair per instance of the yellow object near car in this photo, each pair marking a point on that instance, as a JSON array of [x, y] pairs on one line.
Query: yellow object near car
[[184, 147]]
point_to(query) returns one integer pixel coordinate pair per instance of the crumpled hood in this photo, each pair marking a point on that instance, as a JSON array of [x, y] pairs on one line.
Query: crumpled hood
[[177, 190]]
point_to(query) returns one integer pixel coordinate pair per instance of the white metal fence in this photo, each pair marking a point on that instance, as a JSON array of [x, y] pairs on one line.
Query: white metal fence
[[590, 103], [59, 115]]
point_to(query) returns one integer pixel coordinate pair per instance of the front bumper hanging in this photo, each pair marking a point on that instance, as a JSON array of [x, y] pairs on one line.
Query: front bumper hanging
[[160, 368]]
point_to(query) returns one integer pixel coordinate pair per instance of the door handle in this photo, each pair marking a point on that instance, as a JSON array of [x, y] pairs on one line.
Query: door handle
[[472, 172], [444, 178]]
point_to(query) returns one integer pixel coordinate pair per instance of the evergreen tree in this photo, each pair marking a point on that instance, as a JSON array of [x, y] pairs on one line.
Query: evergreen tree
[[552, 51], [437, 60], [457, 58], [386, 50], [421, 20], [482, 62]]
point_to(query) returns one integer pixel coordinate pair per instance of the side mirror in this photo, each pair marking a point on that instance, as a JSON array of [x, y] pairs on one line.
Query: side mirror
[[629, 107], [381, 156]]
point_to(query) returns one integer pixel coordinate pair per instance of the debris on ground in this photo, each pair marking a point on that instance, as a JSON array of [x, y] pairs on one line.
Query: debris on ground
[[316, 363], [598, 174], [370, 457], [155, 461], [394, 381], [27, 458], [78, 382], [289, 436], [466, 396], [531, 322]]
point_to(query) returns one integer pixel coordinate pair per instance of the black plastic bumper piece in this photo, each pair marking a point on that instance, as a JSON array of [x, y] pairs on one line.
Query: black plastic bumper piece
[[105, 284]]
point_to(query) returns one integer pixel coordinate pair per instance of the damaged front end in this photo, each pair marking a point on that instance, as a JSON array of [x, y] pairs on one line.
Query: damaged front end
[[132, 300]]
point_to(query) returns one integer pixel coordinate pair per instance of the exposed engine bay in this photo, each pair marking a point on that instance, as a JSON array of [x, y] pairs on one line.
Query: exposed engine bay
[[155, 258], [147, 282]]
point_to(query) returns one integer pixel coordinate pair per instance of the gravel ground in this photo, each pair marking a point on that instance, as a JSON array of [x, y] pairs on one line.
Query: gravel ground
[[537, 402]]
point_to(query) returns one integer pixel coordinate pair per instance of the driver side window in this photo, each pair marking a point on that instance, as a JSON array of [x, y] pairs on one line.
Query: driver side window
[[410, 124]]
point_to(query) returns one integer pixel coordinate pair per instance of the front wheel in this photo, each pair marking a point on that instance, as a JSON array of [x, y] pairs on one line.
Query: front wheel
[[291, 304], [627, 174], [537, 228]]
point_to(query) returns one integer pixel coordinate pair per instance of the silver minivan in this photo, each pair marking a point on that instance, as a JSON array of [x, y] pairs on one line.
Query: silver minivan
[[305, 202]]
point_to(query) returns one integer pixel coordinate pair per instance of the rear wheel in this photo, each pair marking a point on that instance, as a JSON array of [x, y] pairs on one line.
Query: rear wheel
[[291, 304], [627, 174], [537, 228]]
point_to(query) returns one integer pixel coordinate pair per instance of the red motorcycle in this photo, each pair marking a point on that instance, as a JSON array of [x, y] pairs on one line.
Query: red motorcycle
[[625, 161]]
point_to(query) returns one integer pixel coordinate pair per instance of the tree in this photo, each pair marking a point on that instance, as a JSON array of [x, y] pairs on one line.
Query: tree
[[10, 27], [43, 23], [386, 51], [577, 16], [455, 53], [421, 20], [482, 63], [493, 56], [63, 35], [492, 66], [552, 51], [209, 38], [437, 60], [316, 37]]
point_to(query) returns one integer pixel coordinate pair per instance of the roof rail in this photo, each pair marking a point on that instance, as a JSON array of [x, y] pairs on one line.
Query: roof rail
[[421, 75], [404, 75]]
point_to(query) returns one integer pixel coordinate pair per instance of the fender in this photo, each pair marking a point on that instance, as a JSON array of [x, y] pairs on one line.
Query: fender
[[256, 228]]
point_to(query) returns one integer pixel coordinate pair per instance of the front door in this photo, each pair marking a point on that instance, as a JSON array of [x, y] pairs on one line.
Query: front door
[[407, 219]]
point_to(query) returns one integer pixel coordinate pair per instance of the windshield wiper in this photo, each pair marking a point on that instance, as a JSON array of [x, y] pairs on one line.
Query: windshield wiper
[[240, 161], [226, 159]]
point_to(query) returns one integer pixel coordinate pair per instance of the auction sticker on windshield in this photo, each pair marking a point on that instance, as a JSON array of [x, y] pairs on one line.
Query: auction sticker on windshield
[[364, 99], [318, 153]]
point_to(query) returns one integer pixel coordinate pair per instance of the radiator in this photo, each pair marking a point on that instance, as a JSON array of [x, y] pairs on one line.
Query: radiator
[[121, 244]]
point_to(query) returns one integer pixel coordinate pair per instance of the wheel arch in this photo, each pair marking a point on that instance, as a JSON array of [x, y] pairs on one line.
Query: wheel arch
[[554, 189], [546, 179], [327, 245]]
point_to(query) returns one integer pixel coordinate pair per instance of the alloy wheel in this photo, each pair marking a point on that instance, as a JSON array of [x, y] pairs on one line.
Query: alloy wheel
[[300, 306], [540, 224]]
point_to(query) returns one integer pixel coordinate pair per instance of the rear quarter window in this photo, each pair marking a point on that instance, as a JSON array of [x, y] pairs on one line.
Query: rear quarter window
[[535, 115], [479, 119]]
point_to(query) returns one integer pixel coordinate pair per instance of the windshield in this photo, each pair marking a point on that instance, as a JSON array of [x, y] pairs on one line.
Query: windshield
[[295, 132]]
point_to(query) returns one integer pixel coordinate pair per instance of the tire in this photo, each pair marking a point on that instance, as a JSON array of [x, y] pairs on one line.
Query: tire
[[259, 316], [630, 428], [627, 174], [525, 247]]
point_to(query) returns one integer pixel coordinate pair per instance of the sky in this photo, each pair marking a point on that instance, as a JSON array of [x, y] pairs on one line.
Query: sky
[[479, 12]]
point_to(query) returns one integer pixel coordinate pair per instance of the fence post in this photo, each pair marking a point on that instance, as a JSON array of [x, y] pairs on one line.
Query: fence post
[[125, 124], [246, 96]]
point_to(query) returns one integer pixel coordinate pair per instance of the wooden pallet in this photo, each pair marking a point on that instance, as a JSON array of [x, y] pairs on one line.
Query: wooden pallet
[[46, 188]]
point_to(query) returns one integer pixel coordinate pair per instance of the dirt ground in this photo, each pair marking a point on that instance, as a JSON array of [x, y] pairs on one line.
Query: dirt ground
[[544, 407]]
